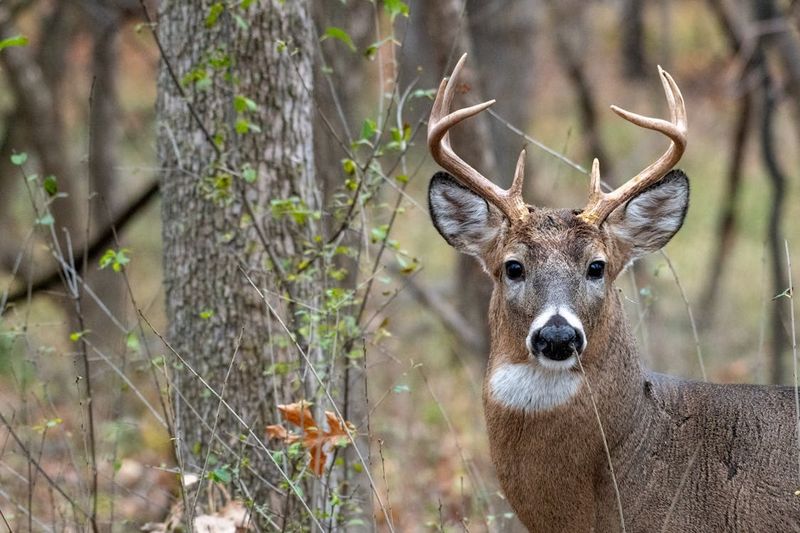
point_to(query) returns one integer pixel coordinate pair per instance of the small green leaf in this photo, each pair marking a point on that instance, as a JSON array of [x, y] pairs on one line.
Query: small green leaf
[[50, 185], [206, 314], [213, 14], [332, 32], [240, 21], [45, 220], [75, 336], [249, 174], [349, 166], [379, 234], [17, 40], [115, 259], [395, 7], [368, 129], [132, 341], [243, 103], [220, 475], [19, 159]]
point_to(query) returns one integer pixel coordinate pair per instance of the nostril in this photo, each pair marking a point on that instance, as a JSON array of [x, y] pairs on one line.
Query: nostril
[[556, 341]]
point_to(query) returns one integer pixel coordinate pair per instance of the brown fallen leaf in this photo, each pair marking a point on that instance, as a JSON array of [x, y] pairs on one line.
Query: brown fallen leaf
[[318, 442]]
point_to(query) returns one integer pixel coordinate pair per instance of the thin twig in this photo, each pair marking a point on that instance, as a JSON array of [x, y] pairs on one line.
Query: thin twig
[[689, 312], [216, 423], [335, 407], [45, 475], [232, 411], [790, 295]]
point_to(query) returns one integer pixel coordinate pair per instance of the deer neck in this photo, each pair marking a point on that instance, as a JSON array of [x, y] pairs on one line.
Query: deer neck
[[549, 456]]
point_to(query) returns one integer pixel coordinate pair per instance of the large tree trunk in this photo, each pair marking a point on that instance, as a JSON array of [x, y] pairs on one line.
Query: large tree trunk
[[211, 219]]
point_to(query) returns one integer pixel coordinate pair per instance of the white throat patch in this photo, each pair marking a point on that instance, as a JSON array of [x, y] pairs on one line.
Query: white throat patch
[[531, 387]]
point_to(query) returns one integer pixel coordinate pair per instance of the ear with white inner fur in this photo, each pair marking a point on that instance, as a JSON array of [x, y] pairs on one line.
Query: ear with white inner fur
[[466, 221], [648, 221]]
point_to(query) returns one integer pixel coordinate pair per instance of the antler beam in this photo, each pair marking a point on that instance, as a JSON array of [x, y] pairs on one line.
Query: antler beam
[[509, 201], [602, 204]]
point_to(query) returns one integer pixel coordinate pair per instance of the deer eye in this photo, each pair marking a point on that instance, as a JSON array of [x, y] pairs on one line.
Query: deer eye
[[514, 270], [596, 269]]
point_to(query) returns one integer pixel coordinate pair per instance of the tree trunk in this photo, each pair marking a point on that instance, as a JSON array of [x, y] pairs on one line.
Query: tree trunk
[[216, 226], [450, 38]]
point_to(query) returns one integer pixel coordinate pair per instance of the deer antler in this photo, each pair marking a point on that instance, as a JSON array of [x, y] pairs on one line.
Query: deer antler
[[602, 204], [509, 201]]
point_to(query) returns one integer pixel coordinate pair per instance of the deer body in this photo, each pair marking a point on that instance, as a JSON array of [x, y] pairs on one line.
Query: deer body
[[688, 456], [582, 437]]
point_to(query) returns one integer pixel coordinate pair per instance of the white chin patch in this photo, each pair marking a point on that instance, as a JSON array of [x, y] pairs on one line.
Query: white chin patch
[[534, 387]]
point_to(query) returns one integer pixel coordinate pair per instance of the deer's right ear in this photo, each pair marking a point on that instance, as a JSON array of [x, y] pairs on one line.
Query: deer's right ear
[[466, 221]]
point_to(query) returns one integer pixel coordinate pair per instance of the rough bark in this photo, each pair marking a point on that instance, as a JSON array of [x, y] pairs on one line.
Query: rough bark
[[209, 236]]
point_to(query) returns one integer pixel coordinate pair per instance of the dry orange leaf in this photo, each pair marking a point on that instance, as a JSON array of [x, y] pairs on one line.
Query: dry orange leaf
[[318, 442]]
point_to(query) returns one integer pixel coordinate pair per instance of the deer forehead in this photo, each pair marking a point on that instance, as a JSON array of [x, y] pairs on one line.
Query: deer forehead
[[554, 236]]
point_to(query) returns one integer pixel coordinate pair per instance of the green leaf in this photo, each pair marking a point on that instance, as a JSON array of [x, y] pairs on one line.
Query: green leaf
[[240, 21], [395, 7], [17, 40], [45, 220], [132, 341], [19, 159], [220, 475], [213, 14], [249, 174], [242, 103], [368, 129], [75, 336], [116, 259], [332, 32], [206, 314], [379, 234], [50, 185], [349, 166]]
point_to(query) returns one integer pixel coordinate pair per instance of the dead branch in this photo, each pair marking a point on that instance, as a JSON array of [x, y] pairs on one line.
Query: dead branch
[[97, 245]]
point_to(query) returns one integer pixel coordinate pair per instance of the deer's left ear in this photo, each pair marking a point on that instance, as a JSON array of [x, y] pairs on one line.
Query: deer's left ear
[[647, 222]]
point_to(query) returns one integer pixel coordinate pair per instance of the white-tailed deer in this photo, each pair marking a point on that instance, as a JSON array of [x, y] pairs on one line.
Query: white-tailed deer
[[584, 438]]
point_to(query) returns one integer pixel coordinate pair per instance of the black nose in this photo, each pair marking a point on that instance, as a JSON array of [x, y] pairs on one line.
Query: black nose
[[557, 339]]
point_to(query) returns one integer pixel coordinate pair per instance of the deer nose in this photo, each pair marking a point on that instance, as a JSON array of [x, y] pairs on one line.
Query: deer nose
[[556, 340]]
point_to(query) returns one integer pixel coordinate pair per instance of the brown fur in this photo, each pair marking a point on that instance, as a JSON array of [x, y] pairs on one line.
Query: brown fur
[[688, 456]]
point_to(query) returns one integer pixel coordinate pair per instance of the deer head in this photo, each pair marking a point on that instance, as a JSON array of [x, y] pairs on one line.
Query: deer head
[[553, 269]]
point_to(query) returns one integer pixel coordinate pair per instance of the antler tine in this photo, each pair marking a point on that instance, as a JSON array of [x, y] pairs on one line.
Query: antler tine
[[509, 201], [601, 204]]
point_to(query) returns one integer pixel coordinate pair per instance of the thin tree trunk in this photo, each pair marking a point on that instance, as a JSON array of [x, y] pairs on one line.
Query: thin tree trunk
[[726, 223], [565, 18], [212, 221], [450, 38], [631, 24], [777, 179]]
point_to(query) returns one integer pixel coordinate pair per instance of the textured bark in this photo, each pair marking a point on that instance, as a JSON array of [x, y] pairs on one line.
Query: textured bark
[[207, 241]]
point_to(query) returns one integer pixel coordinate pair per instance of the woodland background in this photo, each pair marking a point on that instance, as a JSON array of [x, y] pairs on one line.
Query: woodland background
[[186, 188]]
